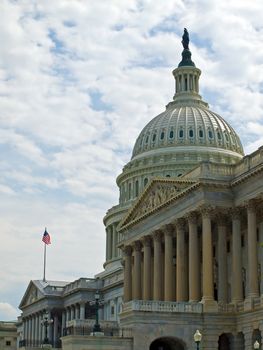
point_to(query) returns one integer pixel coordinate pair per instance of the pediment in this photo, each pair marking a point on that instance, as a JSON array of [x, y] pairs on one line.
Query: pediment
[[31, 295], [159, 193]]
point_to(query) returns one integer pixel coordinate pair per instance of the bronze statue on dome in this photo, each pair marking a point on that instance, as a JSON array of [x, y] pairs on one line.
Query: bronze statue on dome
[[185, 40]]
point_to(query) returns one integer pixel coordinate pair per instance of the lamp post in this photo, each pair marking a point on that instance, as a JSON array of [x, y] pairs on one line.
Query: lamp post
[[96, 327], [256, 345], [197, 338], [46, 322]]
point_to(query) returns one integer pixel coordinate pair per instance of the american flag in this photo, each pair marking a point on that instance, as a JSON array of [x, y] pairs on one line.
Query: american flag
[[46, 237]]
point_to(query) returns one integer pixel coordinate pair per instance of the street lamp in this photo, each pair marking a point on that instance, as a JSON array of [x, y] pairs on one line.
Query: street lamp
[[197, 338], [96, 327], [256, 345], [46, 322]]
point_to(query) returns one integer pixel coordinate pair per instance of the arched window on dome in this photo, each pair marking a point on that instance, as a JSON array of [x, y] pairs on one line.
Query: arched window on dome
[[210, 134], [219, 135], [191, 133], [145, 181], [154, 137], [181, 134], [136, 188], [226, 137], [147, 139], [201, 133], [162, 135], [171, 134]]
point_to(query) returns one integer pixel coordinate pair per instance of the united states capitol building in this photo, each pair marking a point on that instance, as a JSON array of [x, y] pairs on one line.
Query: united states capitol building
[[183, 245]]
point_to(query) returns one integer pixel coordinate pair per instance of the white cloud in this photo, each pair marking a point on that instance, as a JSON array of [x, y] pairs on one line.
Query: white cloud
[[8, 312], [61, 149]]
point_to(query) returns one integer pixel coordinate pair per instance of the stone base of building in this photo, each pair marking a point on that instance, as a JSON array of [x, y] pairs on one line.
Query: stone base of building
[[74, 342]]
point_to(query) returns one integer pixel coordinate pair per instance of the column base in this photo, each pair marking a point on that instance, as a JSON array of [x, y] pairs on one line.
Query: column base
[[209, 305], [249, 302]]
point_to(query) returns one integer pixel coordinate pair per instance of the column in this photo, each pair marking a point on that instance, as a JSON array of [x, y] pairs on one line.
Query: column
[[127, 274], [25, 328], [194, 259], [55, 329], [50, 328], [147, 268], [208, 288], [222, 258], [114, 240], [157, 266], [180, 261], [67, 314], [63, 323], [110, 242], [107, 244], [168, 263], [40, 332], [37, 330], [236, 286], [33, 329], [82, 311], [252, 250], [72, 312], [30, 331], [137, 271]]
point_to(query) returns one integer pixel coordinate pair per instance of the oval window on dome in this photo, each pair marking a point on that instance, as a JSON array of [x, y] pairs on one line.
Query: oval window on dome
[[210, 134], [201, 133], [191, 133], [162, 135], [181, 134], [154, 137], [171, 135], [219, 136], [147, 139]]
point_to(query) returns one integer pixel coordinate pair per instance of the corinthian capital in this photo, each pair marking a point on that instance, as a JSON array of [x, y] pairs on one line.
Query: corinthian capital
[[157, 236], [180, 224], [127, 250]]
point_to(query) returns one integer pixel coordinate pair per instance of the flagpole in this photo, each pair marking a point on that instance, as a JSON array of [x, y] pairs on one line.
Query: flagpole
[[44, 276]]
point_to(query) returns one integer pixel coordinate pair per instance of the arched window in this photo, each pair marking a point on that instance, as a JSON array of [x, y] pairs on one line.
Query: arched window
[[210, 134], [154, 137], [171, 135], [181, 133], [191, 133], [136, 188], [219, 136], [162, 135], [129, 191], [201, 133], [147, 139], [145, 181]]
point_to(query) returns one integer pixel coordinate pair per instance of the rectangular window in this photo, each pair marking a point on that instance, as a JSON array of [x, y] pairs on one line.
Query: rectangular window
[[8, 343], [112, 310], [228, 246]]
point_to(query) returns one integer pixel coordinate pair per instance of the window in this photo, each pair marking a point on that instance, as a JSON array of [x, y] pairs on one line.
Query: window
[[210, 134], [242, 241], [219, 136], [201, 133], [145, 181], [112, 311], [129, 191], [154, 137], [147, 139], [136, 188], [8, 343], [168, 175], [191, 133], [226, 136], [162, 135], [181, 133], [171, 135], [228, 246]]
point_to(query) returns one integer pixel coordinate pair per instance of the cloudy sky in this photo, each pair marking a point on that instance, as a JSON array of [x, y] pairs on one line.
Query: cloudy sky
[[78, 81]]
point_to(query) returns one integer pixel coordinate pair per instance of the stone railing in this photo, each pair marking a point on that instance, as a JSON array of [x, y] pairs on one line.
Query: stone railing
[[162, 306], [89, 283]]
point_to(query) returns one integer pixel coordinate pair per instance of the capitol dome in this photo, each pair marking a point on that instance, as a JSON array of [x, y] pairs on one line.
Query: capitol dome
[[178, 139], [187, 126]]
